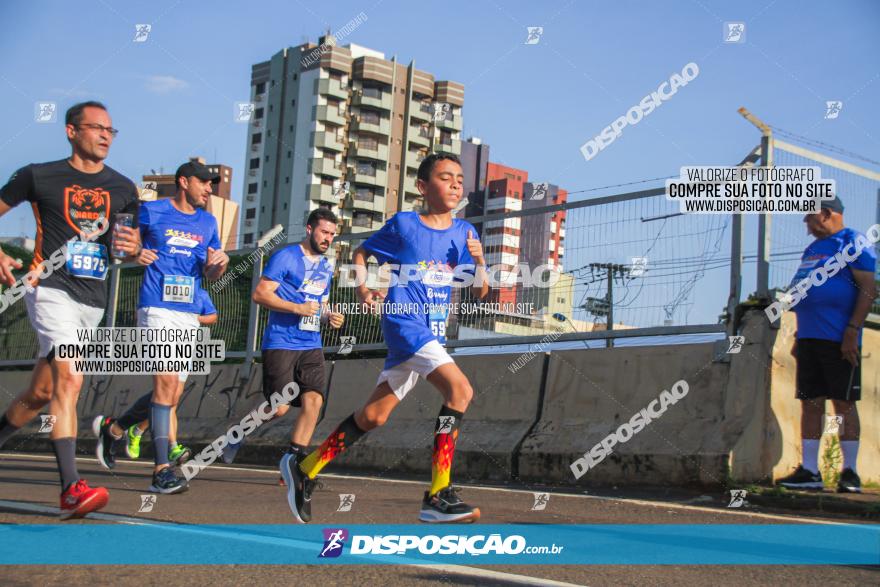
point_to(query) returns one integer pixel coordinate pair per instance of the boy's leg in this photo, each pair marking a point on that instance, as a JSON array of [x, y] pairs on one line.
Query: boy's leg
[[374, 414], [457, 394]]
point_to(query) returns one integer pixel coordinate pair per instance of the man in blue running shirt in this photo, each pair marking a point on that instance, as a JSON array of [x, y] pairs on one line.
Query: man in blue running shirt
[[430, 252], [827, 344], [181, 242]]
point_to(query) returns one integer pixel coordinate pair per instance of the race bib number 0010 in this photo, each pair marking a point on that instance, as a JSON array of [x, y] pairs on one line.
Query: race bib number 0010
[[178, 288]]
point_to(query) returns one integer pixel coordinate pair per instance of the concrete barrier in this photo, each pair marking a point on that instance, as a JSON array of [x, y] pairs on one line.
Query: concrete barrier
[[739, 421], [589, 395]]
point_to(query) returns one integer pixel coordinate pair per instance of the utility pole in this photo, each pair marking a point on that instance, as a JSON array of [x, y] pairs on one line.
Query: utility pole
[[608, 309]]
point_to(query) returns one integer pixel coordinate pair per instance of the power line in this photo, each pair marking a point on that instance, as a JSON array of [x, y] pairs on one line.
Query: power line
[[823, 145]]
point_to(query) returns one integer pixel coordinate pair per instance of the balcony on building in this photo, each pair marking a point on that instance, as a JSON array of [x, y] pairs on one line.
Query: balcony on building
[[331, 87]]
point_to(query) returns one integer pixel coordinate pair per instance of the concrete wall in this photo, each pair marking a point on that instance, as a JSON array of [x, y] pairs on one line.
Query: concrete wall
[[739, 418]]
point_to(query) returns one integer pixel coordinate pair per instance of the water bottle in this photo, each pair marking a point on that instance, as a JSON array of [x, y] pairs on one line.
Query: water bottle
[[126, 220]]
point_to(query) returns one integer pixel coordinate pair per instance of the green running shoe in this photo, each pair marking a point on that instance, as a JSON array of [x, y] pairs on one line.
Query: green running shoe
[[179, 455], [132, 443]]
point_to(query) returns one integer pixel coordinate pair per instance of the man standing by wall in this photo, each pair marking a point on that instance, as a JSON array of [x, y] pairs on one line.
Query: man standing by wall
[[828, 343]]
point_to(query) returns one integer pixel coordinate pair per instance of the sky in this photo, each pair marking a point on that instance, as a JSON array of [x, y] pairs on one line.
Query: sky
[[173, 95]]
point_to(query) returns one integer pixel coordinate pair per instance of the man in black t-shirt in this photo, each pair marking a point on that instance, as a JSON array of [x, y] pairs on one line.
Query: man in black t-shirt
[[74, 202]]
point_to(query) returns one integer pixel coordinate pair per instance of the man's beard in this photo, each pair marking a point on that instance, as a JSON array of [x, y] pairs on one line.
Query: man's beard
[[315, 245]]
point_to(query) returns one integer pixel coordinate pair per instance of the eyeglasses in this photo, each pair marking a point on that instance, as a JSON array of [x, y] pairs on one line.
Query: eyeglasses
[[100, 128]]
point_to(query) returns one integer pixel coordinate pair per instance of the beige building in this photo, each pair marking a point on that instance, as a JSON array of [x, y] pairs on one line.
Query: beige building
[[342, 128]]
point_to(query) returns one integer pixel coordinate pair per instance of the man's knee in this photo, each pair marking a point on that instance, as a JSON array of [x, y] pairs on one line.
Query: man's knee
[[311, 402], [67, 383]]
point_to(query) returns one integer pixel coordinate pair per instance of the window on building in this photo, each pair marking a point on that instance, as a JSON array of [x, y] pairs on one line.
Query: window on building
[[271, 108], [257, 139], [294, 77], [366, 168], [265, 183], [250, 213], [258, 114], [261, 87], [287, 180], [293, 102], [364, 194], [255, 163], [285, 205], [372, 92], [262, 209], [252, 188], [370, 116], [248, 239], [267, 158], [289, 153]]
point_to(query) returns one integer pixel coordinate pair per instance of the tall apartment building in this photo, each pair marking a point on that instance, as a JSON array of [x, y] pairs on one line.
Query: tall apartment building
[[220, 203], [501, 238], [342, 128]]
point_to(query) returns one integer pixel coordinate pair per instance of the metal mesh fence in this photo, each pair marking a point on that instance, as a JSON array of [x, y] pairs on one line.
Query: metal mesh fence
[[858, 191]]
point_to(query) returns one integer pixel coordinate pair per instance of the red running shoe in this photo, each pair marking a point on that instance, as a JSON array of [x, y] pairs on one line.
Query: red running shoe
[[80, 499]]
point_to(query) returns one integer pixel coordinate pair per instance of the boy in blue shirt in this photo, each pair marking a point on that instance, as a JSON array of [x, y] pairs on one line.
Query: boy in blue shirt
[[428, 251]]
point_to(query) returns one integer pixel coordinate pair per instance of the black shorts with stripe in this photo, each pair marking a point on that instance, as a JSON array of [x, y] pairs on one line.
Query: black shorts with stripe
[[823, 372], [305, 368]]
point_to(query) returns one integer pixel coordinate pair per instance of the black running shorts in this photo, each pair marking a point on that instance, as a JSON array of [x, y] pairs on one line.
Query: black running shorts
[[305, 368], [823, 372]]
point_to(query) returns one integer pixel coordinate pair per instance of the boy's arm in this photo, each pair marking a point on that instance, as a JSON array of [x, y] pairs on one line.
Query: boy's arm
[[480, 289], [366, 296]]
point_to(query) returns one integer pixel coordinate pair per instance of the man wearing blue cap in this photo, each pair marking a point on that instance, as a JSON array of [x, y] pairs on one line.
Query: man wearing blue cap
[[828, 342]]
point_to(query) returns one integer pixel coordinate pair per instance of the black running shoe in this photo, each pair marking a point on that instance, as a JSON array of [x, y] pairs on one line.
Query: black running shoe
[[446, 506], [167, 481], [105, 449], [299, 488], [849, 482], [802, 479]]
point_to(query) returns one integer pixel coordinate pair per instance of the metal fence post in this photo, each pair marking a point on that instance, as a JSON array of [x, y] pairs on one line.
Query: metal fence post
[[113, 301], [735, 271], [253, 317], [765, 225]]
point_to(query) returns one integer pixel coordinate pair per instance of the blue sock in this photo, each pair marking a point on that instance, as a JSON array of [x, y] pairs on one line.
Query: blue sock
[[160, 423]]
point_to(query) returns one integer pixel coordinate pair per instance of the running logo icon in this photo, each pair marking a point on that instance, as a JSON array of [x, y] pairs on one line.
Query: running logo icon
[[141, 32], [446, 424], [834, 424], [47, 423], [832, 109], [346, 501], [737, 498], [639, 265], [534, 35], [441, 111], [541, 501], [539, 191], [45, 112], [346, 344], [734, 32], [147, 503], [244, 111], [735, 344], [334, 540]]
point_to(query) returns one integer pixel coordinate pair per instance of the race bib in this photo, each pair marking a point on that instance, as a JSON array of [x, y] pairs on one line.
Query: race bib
[[310, 323], [178, 288], [437, 277], [437, 317], [87, 260]]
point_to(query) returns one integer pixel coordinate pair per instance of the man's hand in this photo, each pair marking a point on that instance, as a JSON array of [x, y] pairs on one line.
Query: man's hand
[[849, 348], [371, 298], [475, 248], [147, 257], [307, 308], [127, 240], [216, 263], [336, 320], [7, 264]]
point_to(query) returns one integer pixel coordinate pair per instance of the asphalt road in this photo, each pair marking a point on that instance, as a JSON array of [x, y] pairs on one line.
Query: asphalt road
[[251, 495]]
